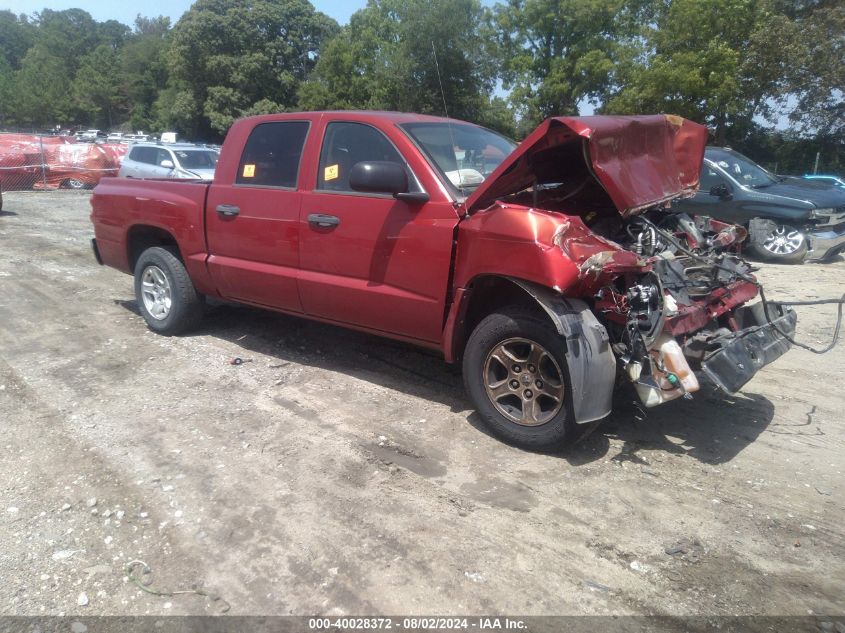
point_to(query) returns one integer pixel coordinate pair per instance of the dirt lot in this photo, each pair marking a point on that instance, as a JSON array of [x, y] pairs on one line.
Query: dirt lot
[[340, 473]]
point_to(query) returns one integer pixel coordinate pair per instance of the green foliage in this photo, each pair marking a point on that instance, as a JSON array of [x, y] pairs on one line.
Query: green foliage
[[69, 35], [143, 67], [720, 62], [385, 59], [16, 35], [791, 153], [231, 54], [7, 78], [818, 79], [556, 53], [42, 89], [99, 87], [683, 63]]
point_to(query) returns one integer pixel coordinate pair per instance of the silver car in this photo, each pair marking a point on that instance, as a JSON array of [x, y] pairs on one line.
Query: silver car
[[150, 160]]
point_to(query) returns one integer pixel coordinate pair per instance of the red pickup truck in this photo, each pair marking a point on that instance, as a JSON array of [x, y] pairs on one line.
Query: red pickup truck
[[550, 270]]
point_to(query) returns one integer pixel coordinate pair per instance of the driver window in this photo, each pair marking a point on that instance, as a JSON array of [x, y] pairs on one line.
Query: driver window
[[346, 144], [709, 178]]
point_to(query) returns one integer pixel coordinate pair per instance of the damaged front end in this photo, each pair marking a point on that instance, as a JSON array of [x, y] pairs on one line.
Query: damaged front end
[[670, 290], [684, 311]]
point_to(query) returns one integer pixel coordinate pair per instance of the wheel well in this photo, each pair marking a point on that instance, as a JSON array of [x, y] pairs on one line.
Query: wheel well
[[142, 237], [487, 294]]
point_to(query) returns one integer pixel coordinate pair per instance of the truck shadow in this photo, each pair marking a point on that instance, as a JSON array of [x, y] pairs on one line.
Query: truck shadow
[[712, 428]]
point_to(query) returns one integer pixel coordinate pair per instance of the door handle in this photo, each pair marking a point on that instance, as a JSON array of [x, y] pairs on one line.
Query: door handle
[[229, 210], [323, 221]]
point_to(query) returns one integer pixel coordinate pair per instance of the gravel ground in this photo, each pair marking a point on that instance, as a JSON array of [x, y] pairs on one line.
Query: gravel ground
[[339, 473]]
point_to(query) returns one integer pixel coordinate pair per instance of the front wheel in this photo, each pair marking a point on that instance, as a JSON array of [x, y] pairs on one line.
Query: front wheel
[[166, 296], [516, 374], [781, 244]]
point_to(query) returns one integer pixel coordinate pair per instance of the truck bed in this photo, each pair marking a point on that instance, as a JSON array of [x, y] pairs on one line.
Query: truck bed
[[121, 205]]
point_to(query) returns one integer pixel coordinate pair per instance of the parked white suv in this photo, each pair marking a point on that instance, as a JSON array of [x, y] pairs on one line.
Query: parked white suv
[[151, 160]]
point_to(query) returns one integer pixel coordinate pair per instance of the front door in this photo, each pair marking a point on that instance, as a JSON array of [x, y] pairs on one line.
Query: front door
[[706, 200], [368, 259], [253, 224]]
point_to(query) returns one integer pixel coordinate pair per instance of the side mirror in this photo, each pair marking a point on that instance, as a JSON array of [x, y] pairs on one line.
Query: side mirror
[[378, 177], [383, 177], [721, 191], [167, 163]]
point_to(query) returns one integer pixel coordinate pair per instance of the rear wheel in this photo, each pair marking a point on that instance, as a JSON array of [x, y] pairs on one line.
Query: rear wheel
[[73, 183], [782, 244], [516, 375], [166, 296]]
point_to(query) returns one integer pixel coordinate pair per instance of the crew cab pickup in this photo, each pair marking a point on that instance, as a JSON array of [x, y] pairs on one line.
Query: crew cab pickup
[[549, 270]]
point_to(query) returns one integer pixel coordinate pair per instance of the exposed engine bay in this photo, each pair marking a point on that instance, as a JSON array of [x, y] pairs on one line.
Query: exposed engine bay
[[677, 306], [684, 313]]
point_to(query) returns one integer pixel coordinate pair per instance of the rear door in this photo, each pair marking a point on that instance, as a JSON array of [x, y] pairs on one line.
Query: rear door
[[253, 223], [139, 161], [368, 259]]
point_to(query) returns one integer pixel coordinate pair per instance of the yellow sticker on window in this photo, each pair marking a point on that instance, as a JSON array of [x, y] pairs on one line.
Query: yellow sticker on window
[[331, 172], [249, 171]]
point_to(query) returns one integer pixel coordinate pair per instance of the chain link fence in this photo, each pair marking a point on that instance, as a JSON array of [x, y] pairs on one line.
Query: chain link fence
[[33, 162]]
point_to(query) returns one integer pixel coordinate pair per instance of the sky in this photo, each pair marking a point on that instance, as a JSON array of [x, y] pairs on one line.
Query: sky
[[125, 11]]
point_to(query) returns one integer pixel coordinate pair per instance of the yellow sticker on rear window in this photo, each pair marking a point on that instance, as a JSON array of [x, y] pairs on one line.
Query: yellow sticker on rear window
[[331, 172], [249, 171]]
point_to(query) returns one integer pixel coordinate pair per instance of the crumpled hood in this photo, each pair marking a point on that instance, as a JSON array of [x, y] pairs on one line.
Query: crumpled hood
[[639, 161]]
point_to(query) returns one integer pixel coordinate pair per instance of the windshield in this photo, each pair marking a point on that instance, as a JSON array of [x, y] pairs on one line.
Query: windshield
[[744, 171], [193, 159], [465, 154]]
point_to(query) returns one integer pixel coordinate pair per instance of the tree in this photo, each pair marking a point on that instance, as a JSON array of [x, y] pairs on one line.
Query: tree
[[227, 55], [42, 90], [143, 62], [818, 81], [99, 87], [7, 101], [16, 35], [67, 35], [720, 62], [385, 59], [554, 54]]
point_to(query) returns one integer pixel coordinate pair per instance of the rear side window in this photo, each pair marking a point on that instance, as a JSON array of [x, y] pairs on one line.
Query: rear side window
[[144, 155], [272, 154]]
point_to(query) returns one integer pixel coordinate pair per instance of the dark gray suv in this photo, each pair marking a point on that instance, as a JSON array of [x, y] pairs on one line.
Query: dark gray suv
[[788, 219]]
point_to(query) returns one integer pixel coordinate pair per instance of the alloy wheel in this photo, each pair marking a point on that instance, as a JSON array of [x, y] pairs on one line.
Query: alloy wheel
[[524, 382], [156, 293], [784, 240]]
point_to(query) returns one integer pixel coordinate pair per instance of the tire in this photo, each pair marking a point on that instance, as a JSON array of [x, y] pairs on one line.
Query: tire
[[510, 334], [166, 296], [73, 183], [782, 244]]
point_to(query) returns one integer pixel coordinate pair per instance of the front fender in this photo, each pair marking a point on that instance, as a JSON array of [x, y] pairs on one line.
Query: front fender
[[592, 365]]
